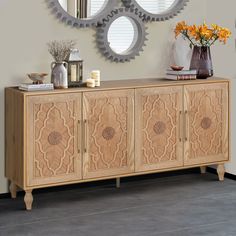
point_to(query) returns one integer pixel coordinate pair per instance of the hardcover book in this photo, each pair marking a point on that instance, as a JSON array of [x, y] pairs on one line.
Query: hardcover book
[[36, 87]]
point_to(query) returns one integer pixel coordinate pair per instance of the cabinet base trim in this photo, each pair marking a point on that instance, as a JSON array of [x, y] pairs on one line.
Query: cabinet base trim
[[122, 176], [111, 181]]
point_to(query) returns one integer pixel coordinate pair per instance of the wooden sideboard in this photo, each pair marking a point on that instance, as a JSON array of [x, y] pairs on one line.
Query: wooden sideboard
[[123, 128]]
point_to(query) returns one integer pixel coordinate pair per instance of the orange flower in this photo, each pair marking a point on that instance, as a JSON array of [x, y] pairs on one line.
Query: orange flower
[[201, 32], [180, 27], [202, 29], [207, 34], [202, 35], [194, 32], [224, 34], [215, 27]]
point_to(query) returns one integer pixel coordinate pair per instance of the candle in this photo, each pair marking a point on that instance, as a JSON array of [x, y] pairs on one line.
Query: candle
[[73, 73], [95, 74], [90, 83]]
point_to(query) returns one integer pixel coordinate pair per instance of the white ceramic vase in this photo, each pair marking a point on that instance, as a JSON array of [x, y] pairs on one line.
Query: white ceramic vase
[[182, 53], [59, 76]]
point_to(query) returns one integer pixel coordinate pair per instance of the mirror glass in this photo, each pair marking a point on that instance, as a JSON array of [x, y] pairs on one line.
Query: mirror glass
[[155, 6], [122, 35], [83, 9]]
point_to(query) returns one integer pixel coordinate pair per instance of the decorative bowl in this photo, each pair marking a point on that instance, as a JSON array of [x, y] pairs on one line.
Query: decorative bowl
[[176, 68], [37, 78]]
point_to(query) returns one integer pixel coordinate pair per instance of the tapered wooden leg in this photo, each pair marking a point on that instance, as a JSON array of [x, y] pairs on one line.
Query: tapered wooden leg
[[13, 190], [28, 199], [203, 169], [118, 182], [221, 172]]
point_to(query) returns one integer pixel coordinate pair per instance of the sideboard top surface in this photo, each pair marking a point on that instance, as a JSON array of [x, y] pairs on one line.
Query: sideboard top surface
[[125, 84]]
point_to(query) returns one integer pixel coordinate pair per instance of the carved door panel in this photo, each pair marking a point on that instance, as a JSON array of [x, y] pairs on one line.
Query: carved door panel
[[206, 116], [158, 128], [109, 128], [53, 139]]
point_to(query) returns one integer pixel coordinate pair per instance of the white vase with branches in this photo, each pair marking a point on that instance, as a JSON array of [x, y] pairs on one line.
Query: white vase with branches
[[60, 51]]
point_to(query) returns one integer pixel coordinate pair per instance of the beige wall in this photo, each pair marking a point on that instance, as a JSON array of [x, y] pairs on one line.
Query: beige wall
[[224, 57], [26, 26]]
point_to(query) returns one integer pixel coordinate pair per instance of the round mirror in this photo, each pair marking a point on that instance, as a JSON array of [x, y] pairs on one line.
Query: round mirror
[[156, 10], [122, 34], [155, 6], [83, 9], [82, 13]]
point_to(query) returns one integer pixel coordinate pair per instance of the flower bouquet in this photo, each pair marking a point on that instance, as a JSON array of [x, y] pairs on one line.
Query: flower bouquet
[[201, 38]]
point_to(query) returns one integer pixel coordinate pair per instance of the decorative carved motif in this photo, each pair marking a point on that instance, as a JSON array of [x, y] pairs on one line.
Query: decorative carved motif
[[107, 133], [159, 127], [54, 139], [205, 121]]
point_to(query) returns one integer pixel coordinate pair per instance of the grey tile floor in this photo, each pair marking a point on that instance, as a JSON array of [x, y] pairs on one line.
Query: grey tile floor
[[183, 205]]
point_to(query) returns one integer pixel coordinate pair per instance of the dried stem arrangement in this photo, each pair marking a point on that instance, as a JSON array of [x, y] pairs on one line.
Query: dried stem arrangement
[[60, 50]]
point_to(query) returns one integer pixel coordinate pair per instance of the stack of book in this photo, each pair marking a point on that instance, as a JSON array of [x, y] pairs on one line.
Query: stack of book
[[36, 87], [181, 75]]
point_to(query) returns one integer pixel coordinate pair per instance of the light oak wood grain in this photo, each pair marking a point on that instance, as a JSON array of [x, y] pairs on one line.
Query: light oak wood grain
[[126, 84], [28, 199], [203, 169], [52, 139], [148, 172], [95, 128], [117, 182], [14, 136], [108, 133], [13, 190], [207, 123], [158, 128], [221, 172]]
